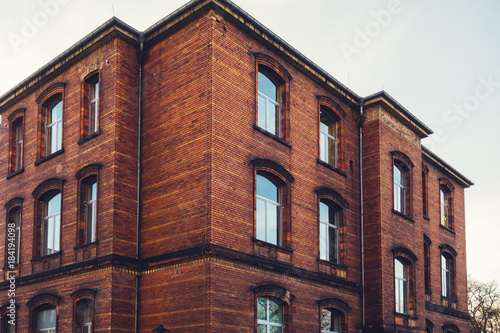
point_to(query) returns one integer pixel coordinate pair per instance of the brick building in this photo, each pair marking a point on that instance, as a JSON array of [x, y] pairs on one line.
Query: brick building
[[206, 176]]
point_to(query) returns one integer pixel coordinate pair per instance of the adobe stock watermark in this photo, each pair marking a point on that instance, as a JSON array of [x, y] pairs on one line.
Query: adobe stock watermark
[[455, 115], [31, 25], [372, 29]]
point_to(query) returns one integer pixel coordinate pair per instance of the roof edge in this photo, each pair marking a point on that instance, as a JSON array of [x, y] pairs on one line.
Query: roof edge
[[400, 112], [441, 164], [114, 23]]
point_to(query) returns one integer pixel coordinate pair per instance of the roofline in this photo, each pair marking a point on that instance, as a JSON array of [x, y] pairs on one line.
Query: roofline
[[400, 112], [445, 167], [252, 26], [59, 63]]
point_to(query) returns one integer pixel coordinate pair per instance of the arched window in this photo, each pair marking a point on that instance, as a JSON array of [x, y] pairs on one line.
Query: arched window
[[329, 130], [404, 281], [272, 309], [16, 120], [269, 315], [269, 207], [273, 82], [328, 231], [445, 205], [51, 222], [90, 107], [84, 316], [51, 122], [46, 319], [402, 180], [446, 275], [401, 285], [331, 321], [269, 107]]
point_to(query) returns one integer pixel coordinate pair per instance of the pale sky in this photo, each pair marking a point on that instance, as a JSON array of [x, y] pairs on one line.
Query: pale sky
[[439, 59]]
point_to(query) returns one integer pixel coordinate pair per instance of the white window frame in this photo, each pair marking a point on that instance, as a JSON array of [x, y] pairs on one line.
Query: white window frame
[[444, 198], [401, 288], [328, 225], [93, 85], [445, 276], [324, 140], [268, 323], [399, 189], [271, 106], [50, 220], [54, 131], [279, 207], [90, 222]]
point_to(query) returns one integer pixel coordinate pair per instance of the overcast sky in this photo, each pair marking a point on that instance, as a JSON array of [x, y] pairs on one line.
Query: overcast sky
[[439, 59]]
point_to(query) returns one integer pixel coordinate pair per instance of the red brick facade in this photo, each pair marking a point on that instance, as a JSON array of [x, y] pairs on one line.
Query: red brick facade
[[179, 133]]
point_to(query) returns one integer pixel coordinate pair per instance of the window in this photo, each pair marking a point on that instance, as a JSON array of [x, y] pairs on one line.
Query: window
[[16, 120], [401, 285], [329, 231], [89, 209], [331, 321], [444, 199], [402, 176], [50, 130], [14, 235], [272, 96], [46, 319], [269, 116], [399, 188], [328, 129], [9, 324], [51, 223], [425, 204], [272, 309], [90, 107], [53, 126], [268, 210], [84, 316], [446, 275], [272, 205], [427, 266], [269, 315], [404, 281]]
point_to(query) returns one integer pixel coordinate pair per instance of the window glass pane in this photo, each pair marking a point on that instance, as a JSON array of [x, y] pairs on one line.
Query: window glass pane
[[398, 269], [333, 244], [326, 320], [323, 147], [323, 212], [267, 87], [261, 328], [55, 205], [275, 312], [274, 329], [272, 117], [262, 308], [57, 230], [47, 319], [272, 223], [266, 188], [262, 118], [397, 175], [261, 219], [323, 243], [57, 112]]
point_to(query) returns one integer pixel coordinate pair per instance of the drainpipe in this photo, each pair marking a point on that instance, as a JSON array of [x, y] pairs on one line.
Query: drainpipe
[[139, 135], [360, 125]]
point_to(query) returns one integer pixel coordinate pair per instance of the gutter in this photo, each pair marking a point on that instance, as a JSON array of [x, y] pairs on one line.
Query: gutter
[[361, 210], [139, 134]]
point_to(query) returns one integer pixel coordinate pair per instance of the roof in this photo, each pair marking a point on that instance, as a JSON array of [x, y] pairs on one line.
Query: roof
[[445, 167], [400, 112]]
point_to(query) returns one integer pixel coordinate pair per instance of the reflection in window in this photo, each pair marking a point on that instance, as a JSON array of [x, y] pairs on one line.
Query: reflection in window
[[329, 231], [401, 286], [47, 320], [399, 188], [51, 224], [331, 321], [269, 316], [444, 198], [328, 137], [268, 104], [268, 204], [445, 276], [84, 316], [54, 127]]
